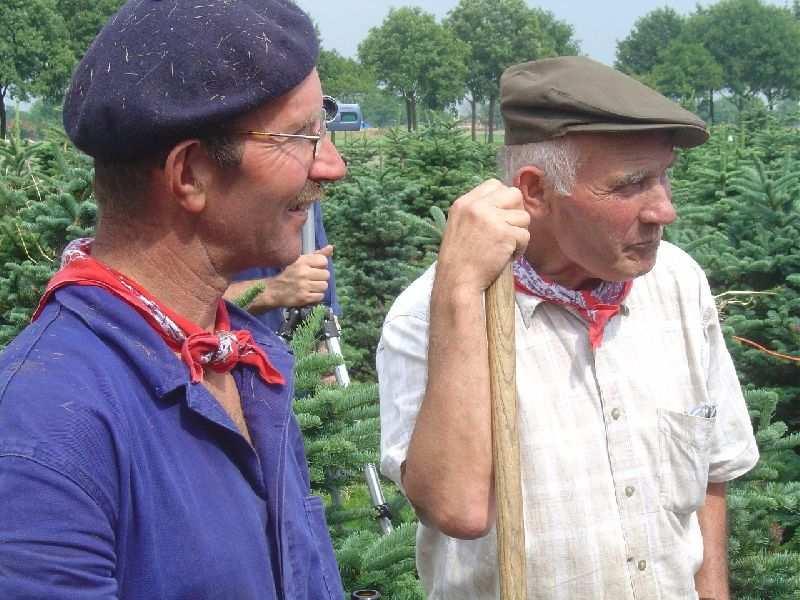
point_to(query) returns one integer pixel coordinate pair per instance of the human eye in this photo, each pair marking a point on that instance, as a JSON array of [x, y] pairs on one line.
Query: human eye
[[630, 185]]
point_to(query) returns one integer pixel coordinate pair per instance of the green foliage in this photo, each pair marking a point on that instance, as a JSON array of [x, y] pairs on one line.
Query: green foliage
[[376, 257], [344, 78], [749, 48], [684, 72], [341, 431], [737, 200], [40, 43], [442, 161], [45, 201], [500, 33], [349, 81], [386, 563], [638, 53], [665, 51], [757, 45], [250, 294], [417, 59], [765, 511], [379, 248], [559, 36], [34, 52], [84, 20]]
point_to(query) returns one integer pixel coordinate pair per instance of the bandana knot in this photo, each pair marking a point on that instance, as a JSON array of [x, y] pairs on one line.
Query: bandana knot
[[220, 351]]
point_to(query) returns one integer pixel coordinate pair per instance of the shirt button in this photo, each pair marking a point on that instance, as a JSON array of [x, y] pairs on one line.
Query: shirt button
[[629, 492], [642, 565], [615, 414]]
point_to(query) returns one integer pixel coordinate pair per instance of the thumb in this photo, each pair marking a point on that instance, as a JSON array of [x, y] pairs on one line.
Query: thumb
[[325, 250]]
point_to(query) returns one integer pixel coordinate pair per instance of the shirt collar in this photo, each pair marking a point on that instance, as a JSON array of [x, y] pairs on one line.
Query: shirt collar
[[528, 304], [120, 326]]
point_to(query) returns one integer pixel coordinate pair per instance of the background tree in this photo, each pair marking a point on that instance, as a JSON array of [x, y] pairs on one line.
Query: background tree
[[417, 59], [344, 78], [687, 73], [84, 20], [757, 45], [500, 33], [638, 53], [559, 35], [34, 52], [348, 80]]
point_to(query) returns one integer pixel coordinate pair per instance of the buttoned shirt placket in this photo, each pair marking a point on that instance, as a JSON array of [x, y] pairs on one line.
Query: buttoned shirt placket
[[625, 469]]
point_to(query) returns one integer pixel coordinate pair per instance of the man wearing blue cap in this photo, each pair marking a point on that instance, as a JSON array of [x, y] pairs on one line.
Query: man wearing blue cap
[[147, 443]]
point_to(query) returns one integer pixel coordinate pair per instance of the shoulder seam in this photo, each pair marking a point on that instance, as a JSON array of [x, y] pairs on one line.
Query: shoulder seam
[[7, 380]]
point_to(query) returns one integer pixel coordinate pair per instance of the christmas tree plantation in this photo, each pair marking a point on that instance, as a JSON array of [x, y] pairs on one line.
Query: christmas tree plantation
[[737, 199]]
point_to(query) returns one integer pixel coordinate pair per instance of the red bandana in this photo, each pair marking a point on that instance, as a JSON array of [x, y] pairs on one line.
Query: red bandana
[[597, 306], [220, 351]]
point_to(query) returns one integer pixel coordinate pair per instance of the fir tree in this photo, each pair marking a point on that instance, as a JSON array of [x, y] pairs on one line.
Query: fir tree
[[341, 430], [45, 201], [737, 200], [764, 509], [379, 249]]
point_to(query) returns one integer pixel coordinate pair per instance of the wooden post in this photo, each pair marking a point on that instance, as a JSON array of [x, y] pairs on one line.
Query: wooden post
[[505, 443]]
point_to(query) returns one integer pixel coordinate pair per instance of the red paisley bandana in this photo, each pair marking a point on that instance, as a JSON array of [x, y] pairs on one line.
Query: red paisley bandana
[[596, 306], [220, 351]]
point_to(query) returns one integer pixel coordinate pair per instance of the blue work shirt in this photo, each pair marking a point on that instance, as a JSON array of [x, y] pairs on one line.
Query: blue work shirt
[[119, 478], [273, 319]]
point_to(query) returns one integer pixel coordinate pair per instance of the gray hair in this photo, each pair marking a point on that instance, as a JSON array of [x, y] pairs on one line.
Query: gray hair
[[557, 158]]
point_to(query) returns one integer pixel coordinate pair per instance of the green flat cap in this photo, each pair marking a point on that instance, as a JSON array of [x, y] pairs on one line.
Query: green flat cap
[[549, 98]]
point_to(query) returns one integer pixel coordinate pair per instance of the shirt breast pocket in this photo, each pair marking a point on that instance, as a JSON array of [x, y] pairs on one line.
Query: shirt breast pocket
[[684, 453]]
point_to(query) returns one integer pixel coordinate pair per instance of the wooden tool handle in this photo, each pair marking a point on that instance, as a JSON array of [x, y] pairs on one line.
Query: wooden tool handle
[[505, 444]]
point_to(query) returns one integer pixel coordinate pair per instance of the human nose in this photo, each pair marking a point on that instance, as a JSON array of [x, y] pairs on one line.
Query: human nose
[[658, 208], [328, 164]]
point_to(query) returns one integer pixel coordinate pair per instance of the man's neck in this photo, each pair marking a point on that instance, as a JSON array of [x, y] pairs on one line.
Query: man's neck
[[553, 266], [178, 274]]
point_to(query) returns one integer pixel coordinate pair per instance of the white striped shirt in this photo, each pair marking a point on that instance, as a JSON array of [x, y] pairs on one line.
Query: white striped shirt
[[615, 460]]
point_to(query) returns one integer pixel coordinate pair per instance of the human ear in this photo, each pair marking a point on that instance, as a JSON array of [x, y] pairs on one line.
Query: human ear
[[186, 173], [530, 181]]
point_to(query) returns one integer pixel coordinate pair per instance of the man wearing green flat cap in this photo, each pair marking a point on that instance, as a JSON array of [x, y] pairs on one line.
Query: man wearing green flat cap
[[631, 418]]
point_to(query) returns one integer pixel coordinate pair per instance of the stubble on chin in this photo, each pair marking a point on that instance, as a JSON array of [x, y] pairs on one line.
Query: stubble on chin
[[647, 266]]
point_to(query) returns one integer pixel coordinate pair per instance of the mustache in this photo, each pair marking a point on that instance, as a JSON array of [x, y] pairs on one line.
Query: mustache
[[311, 192]]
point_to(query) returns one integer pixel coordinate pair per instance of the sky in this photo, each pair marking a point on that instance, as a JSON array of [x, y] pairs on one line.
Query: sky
[[598, 24]]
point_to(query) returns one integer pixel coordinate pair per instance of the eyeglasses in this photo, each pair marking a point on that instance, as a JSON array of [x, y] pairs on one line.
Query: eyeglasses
[[328, 112]]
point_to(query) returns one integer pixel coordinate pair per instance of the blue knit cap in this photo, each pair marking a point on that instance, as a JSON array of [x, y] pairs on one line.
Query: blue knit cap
[[162, 71]]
